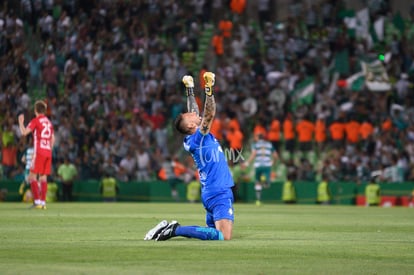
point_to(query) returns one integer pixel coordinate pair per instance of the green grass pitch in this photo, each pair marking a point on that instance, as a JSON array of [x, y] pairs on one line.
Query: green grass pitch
[[107, 238]]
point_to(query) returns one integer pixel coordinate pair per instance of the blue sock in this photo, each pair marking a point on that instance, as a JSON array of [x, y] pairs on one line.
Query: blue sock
[[199, 232]]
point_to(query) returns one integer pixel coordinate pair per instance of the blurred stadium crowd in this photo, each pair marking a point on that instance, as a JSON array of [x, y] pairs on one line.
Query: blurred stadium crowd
[[111, 74]]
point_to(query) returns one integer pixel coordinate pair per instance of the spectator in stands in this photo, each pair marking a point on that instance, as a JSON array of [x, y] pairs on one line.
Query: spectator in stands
[[9, 158], [238, 7], [273, 134], [260, 129], [51, 78], [365, 131], [305, 170], [305, 130], [237, 46], [143, 161], [320, 135], [234, 137], [218, 43], [168, 168], [352, 131], [128, 164], [217, 127], [337, 133], [263, 12], [289, 134]]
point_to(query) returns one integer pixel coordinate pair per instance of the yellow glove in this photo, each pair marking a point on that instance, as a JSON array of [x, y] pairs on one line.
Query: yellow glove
[[209, 79]]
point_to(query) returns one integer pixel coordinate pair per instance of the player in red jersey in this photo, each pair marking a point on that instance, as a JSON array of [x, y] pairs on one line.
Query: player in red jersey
[[43, 139]]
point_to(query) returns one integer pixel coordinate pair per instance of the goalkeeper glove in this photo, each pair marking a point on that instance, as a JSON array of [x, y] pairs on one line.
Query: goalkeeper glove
[[189, 84], [209, 79]]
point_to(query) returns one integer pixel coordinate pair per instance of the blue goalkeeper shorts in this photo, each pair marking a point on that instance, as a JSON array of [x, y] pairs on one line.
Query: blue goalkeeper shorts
[[219, 207]]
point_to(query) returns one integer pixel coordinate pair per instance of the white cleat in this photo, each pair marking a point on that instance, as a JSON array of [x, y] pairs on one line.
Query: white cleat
[[153, 233], [168, 232]]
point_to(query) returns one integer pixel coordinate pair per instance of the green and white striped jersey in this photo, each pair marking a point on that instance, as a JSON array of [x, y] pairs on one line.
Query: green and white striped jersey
[[264, 150]]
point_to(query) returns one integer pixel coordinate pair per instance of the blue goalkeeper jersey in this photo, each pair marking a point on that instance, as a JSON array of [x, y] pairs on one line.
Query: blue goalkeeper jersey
[[215, 175]]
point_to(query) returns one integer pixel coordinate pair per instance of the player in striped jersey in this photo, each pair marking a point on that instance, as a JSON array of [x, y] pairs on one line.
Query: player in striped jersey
[[27, 160], [263, 155], [25, 189]]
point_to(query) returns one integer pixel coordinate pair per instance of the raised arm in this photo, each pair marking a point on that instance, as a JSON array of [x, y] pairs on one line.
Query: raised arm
[[209, 104], [189, 88], [23, 130]]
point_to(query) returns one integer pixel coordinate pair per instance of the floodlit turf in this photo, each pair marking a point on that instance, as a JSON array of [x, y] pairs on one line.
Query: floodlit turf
[[99, 238]]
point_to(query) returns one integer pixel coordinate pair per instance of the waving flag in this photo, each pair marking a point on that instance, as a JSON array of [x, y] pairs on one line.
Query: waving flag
[[303, 93]]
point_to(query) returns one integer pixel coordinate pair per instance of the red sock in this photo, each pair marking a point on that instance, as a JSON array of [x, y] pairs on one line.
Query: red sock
[[43, 186], [35, 189]]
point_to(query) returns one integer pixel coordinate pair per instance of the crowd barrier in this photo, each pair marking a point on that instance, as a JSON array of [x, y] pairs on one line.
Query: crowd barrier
[[344, 193]]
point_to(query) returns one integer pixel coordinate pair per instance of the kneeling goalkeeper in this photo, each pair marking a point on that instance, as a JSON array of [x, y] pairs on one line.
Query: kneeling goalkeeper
[[215, 176]]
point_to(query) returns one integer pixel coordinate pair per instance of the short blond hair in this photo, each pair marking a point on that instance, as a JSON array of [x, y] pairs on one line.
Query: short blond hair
[[40, 107]]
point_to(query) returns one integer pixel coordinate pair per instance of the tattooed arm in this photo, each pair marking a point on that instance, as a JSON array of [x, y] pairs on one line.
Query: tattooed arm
[[191, 101], [209, 104], [189, 89], [208, 116]]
